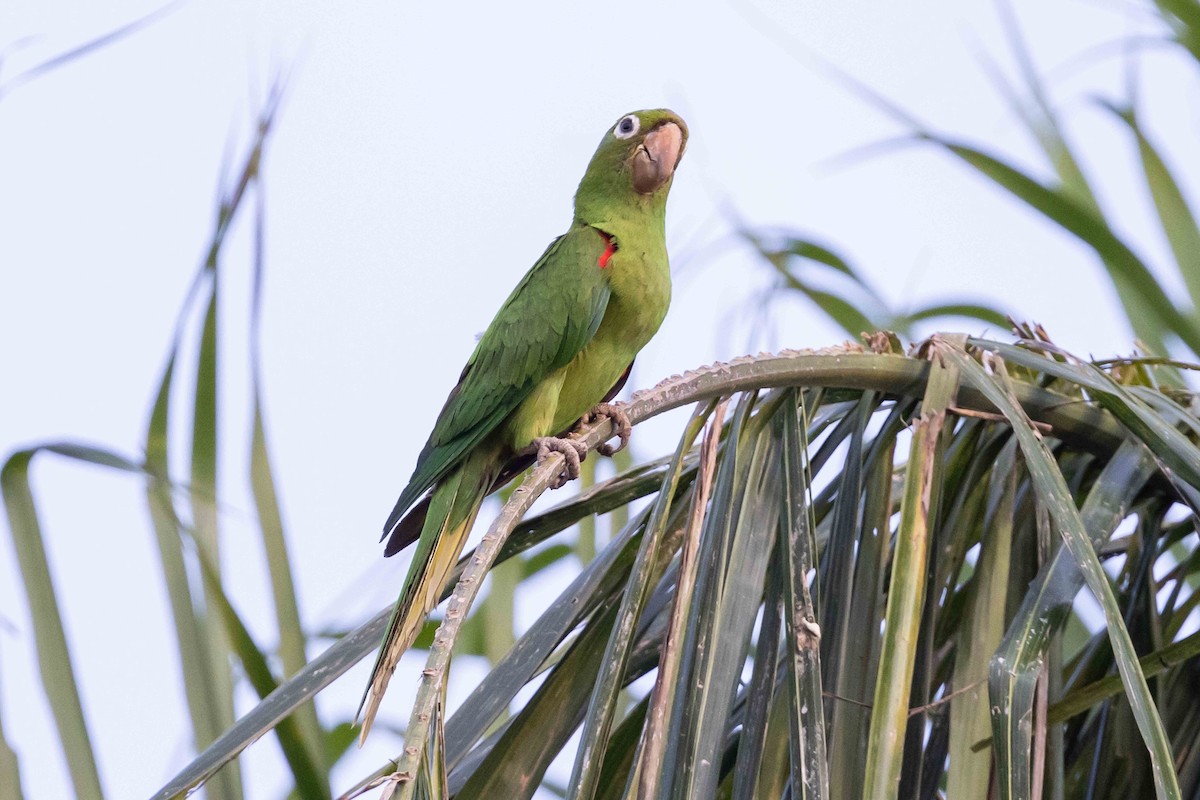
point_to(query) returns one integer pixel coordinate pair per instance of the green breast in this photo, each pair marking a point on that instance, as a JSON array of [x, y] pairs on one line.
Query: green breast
[[641, 294]]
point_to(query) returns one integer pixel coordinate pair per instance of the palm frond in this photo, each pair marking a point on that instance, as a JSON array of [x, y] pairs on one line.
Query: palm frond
[[732, 589]]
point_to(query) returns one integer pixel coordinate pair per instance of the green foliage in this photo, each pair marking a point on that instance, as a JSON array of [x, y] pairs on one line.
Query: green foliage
[[1006, 453]]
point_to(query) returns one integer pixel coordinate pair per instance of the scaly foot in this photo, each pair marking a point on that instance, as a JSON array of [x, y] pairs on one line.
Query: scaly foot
[[573, 451], [622, 427]]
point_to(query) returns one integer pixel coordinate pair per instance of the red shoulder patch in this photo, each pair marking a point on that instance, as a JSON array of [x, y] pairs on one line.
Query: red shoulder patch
[[610, 248]]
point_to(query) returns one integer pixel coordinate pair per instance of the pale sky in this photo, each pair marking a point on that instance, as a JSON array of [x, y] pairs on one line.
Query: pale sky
[[423, 159]]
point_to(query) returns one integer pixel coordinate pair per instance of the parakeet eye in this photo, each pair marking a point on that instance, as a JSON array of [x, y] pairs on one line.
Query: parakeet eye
[[627, 127]]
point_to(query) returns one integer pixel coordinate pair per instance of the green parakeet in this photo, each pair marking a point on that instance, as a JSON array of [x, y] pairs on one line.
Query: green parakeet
[[562, 343]]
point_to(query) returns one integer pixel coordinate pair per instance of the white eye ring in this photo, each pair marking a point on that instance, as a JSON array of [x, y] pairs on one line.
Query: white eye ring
[[627, 126]]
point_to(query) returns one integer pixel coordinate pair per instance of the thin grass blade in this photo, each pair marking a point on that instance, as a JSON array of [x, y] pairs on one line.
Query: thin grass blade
[[54, 656], [979, 636], [622, 752], [292, 639], [850, 648], [10, 772], [1175, 216], [662, 698], [205, 524], [198, 685], [796, 559], [1153, 664], [967, 310], [759, 694], [65, 58], [1183, 17], [906, 592], [1040, 115]]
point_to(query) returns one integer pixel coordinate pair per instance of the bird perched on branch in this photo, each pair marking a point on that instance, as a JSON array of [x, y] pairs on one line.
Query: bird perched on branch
[[560, 347]]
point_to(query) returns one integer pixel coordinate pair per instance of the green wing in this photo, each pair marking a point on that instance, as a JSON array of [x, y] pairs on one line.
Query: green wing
[[551, 315]]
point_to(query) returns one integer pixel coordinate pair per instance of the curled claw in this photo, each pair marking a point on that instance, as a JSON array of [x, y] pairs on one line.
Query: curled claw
[[572, 450], [622, 427]]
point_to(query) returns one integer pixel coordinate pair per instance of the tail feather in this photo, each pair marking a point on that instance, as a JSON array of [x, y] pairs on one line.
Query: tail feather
[[452, 511], [409, 528]]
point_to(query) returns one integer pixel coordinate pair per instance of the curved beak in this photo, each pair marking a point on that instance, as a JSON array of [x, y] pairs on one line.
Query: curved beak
[[655, 159]]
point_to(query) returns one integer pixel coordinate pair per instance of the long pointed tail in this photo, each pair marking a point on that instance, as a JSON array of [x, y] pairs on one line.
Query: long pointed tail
[[452, 511]]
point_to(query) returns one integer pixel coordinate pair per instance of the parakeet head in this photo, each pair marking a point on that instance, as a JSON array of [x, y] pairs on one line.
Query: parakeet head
[[634, 164]]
